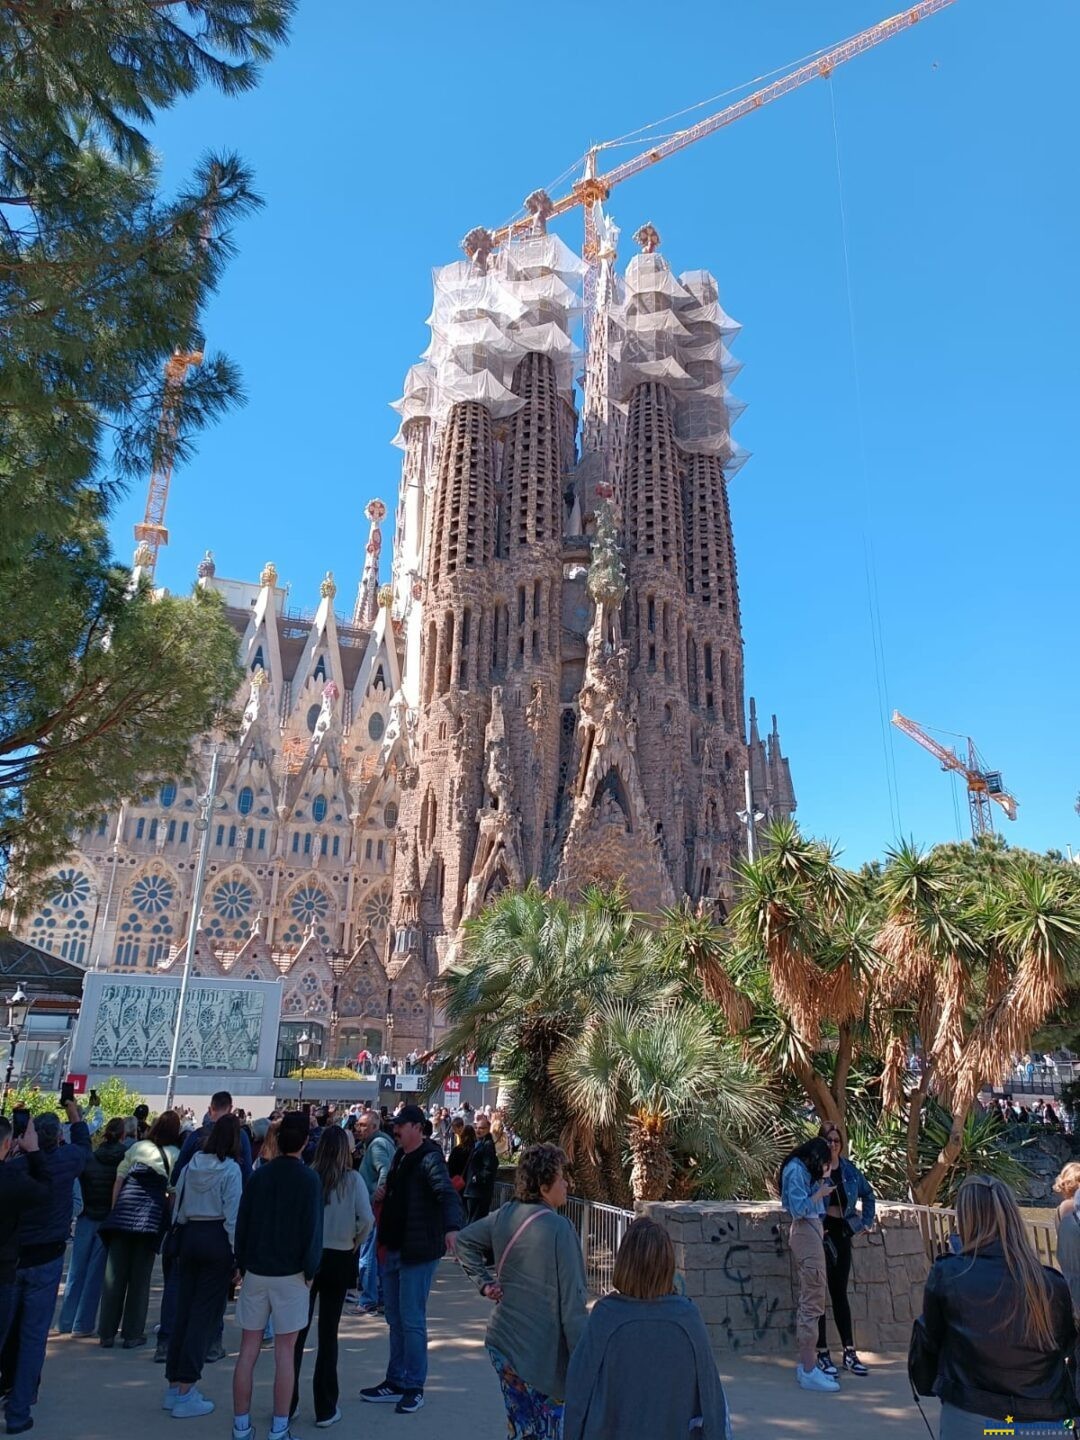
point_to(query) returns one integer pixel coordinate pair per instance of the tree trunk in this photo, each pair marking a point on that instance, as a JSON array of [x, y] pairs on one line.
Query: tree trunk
[[844, 1050], [916, 1101], [652, 1167], [819, 1095], [926, 1188]]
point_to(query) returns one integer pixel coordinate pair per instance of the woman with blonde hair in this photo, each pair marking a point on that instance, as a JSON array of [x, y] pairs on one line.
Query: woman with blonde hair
[[997, 1326], [1068, 1237], [642, 1330], [526, 1257]]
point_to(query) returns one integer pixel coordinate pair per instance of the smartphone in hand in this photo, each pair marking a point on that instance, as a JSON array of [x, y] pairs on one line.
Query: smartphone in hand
[[20, 1118], [67, 1092]]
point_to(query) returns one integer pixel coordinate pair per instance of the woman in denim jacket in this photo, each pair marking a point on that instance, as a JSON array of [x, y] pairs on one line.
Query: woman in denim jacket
[[849, 1211], [804, 1191]]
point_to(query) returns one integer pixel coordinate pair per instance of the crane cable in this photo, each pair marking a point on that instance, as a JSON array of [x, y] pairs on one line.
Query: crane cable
[[873, 600]]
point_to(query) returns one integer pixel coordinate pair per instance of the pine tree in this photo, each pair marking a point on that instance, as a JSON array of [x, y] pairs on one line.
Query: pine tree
[[101, 279]]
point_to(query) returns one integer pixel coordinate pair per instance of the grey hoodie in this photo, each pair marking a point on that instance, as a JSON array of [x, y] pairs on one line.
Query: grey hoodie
[[208, 1189]]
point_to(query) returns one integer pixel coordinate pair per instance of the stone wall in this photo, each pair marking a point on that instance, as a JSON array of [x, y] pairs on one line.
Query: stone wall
[[736, 1265]]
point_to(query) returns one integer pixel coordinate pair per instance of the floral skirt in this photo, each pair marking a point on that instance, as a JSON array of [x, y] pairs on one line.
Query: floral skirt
[[529, 1415]]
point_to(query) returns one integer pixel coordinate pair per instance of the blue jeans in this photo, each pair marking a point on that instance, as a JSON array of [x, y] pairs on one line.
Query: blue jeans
[[370, 1271], [406, 1289], [36, 1288], [8, 1294], [86, 1271]]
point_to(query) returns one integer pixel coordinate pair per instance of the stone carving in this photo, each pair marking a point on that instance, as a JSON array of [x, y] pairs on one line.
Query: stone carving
[[134, 1024]]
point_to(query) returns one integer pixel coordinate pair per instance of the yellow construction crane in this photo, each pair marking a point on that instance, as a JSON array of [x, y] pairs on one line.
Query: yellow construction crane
[[593, 187], [983, 785], [153, 531]]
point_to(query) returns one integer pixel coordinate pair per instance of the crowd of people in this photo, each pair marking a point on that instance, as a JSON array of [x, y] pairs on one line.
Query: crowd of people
[[302, 1213]]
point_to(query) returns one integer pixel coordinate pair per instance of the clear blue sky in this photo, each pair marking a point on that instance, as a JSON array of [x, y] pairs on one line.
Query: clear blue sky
[[383, 133]]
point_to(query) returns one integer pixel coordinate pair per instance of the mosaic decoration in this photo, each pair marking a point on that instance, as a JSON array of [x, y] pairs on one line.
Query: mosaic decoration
[[133, 1028]]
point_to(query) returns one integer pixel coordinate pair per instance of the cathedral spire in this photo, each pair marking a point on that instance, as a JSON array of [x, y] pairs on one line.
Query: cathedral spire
[[367, 596]]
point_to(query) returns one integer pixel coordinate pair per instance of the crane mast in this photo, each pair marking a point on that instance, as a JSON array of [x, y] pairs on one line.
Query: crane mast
[[983, 785], [152, 531]]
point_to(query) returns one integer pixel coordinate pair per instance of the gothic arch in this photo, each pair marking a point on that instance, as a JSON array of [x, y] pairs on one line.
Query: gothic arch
[[232, 899], [148, 921], [610, 792], [311, 901], [65, 918]]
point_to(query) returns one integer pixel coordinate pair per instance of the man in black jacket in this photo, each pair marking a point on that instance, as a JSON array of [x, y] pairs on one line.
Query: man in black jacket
[[481, 1173], [20, 1191], [43, 1237], [421, 1215]]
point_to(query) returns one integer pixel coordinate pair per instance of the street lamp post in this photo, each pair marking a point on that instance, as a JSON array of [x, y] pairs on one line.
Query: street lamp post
[[207, 805], [18, 1009], [303, 1050], [750, 817]]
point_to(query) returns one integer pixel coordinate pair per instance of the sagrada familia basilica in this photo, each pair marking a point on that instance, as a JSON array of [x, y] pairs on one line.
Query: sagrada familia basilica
[[549, 688]]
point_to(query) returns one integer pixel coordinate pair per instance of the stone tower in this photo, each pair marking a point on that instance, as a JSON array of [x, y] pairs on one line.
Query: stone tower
[[573, 679]]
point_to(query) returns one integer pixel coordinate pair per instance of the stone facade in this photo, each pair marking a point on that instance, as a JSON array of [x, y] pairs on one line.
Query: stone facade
[[574, 668], [737, 1268], [549, 689], [300, 865]]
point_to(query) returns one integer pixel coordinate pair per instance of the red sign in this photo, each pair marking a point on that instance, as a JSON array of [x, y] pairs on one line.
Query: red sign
[[78, 1082], [452, 1085]]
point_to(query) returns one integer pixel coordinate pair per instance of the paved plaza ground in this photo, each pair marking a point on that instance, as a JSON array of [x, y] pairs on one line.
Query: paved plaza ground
[[93, 1394]]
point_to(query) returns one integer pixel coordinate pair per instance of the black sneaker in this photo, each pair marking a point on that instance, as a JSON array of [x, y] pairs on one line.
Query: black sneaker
[[386, 1393], [825, 1364], [853, 1363], [161, 1353], [215, 1353], [410, 1402]]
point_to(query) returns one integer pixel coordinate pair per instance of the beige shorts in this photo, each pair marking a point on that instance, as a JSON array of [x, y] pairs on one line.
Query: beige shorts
[[283, 1297]]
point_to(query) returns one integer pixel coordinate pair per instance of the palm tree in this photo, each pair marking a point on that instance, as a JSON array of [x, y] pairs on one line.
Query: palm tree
[[660, 1079], [534, 969], [975, 969], [803, 921]]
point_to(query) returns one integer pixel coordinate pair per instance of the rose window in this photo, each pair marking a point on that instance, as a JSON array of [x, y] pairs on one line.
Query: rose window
[[152, 894], [309, 904], [72, 888], [232, 899], [377, 910]]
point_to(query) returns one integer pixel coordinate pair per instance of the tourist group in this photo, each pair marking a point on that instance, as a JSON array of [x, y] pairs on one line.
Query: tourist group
[[300, 1214]]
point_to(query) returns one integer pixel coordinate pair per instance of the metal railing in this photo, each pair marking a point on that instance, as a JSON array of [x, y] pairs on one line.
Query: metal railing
[[600, 1229], [938, 1225]]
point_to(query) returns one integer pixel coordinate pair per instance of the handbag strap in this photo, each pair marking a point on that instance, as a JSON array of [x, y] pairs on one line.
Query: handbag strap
[[535, 1215]]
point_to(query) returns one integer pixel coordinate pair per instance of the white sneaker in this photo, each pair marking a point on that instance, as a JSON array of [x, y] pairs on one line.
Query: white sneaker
[[815, 1379], [172, 1394], [191, 1406], [248, 1434], [325, 1424]]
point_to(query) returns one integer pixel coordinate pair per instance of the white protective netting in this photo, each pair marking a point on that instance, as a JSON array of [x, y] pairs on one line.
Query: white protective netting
[[675, 331], [482, 324]]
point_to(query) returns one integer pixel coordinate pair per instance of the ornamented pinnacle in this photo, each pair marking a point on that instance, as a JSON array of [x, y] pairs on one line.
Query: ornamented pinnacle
[[478, 245], [258, 677], [386, 596], [268, 575], [648, 237], [367, 595], [144, 556], [539, 206], [206, 567], [328, 589], [607, 578]]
